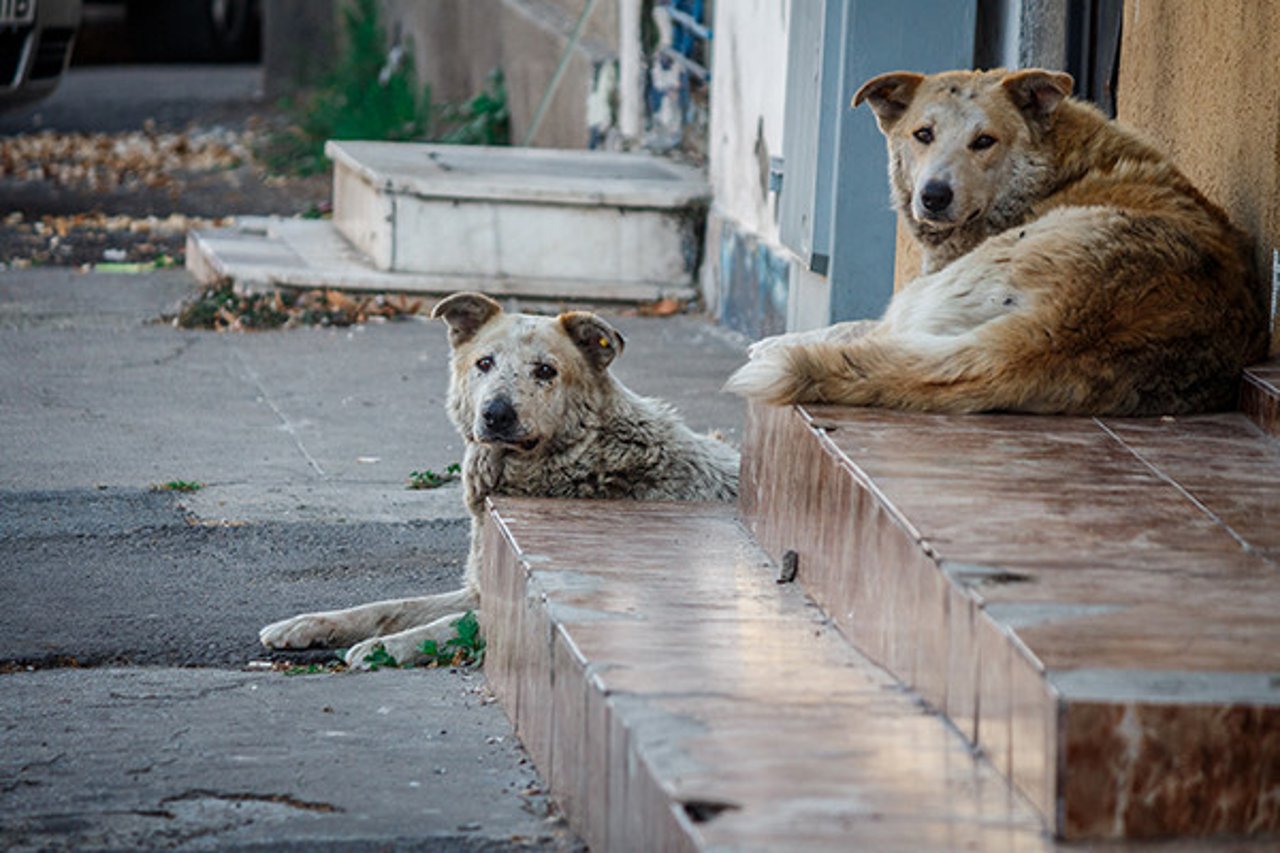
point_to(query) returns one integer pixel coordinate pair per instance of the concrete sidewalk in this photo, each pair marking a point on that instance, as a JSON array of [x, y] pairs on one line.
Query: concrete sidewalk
[[131, 614]]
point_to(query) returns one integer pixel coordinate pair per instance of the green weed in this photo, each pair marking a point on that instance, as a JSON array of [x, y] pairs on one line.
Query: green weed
[[466, 648], [369, 97], [186, 486], [428, 479], [380, 658]]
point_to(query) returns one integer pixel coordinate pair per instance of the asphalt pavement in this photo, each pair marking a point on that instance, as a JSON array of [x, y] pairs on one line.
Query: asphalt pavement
[[132, 712]]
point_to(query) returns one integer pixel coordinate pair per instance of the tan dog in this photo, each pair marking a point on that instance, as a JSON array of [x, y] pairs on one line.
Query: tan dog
[[1068, 267], [542, 416]]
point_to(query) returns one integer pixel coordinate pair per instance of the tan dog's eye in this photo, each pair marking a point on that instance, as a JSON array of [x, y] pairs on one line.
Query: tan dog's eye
[[924, 135], [982, 143], [485, 364], [544, 372]]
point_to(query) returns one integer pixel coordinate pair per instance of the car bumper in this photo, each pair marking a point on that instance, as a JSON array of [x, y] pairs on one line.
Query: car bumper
[[34, 56]]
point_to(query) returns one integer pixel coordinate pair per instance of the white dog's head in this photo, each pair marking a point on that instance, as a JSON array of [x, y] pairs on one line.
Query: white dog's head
[[519, 379]]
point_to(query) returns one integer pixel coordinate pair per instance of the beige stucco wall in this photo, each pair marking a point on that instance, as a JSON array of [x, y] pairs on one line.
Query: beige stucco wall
[[457, 42], [748, 102], [1202, 80]]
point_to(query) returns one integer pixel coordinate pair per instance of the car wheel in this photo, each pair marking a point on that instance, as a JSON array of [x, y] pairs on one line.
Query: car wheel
[[195, 30]]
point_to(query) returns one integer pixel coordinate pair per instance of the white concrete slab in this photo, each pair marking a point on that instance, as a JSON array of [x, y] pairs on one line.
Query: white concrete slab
[[520, 213], [530, 175], [266, 252]]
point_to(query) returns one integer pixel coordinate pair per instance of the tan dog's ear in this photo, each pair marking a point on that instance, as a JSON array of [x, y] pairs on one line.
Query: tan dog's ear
[[889, 95], [599, 342], [1036, 92], [465, 313]]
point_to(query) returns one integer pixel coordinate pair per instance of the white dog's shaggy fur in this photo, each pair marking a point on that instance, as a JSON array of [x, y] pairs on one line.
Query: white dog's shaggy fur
[[542, 416]]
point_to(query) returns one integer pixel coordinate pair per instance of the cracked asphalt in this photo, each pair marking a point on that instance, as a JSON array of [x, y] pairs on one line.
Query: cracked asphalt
[[135, 712], [130, 712]]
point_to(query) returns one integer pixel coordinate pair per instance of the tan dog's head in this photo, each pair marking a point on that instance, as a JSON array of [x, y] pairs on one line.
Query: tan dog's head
[[963, 143], [518, 378]]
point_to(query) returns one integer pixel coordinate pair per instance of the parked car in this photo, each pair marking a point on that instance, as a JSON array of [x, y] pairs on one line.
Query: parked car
[[36, 39]]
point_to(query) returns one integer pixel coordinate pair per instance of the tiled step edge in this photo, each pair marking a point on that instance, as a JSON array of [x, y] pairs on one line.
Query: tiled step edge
[[1260, 396], [677, 698], [870, 569]]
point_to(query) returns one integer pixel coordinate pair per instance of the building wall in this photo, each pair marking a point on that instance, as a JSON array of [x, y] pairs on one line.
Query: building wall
[[746, 270], [1201, 80], [457, 42]]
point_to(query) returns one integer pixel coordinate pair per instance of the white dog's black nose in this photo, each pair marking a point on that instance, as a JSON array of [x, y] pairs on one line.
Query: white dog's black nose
[[936, 196], [500, 418]]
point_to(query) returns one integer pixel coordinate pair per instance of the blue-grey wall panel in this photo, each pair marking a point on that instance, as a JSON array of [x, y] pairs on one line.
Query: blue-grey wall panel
[[877, 36]]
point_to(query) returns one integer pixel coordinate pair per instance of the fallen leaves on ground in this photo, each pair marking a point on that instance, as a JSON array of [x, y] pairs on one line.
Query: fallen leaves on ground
[[665, 307], [106, 161], [92, 239], [226, 308]]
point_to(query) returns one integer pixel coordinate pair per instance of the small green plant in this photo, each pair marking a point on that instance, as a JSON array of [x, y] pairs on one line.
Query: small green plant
[[371, 94], [185, 486], [221, 306], [466, 648], [483, 120], [428, 479], [380, 658]]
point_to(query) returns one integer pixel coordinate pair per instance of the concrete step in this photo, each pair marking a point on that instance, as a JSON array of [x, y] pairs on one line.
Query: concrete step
[[267, 252], [677, 698], [598, 220], [1091, 601], [589, 226]]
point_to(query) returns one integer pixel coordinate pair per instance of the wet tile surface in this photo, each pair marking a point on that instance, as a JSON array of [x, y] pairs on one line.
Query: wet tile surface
[[1064, 545], [688, 701], [1260, 396]]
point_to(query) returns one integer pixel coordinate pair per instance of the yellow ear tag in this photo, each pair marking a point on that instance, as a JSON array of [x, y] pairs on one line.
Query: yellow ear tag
[[604, 342]]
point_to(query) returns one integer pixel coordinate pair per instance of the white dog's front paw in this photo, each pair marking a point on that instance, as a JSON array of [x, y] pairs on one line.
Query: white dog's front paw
[[391, 650], [300, 632]]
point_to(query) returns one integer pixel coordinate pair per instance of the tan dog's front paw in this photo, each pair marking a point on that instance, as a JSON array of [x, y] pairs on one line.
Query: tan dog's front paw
[[305, 631]]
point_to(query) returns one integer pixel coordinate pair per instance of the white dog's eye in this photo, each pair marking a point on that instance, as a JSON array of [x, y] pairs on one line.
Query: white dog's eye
[[485, 364], [983, 142], [924, 135], [544, 372]]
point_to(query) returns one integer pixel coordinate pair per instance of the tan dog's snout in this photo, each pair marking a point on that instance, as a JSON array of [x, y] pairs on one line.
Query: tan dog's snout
[[935, 199]]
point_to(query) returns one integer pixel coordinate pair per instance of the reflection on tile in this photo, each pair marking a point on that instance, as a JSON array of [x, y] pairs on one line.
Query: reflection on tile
[[1260, 396], [1025, 546], [686, 700]]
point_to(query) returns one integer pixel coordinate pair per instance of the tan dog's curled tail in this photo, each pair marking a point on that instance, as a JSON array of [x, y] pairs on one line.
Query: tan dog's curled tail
[[784, 375]]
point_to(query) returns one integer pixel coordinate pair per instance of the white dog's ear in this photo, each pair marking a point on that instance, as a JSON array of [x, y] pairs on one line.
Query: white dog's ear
[[1036, 92], [465, 313], [599, 342], [889, 95]]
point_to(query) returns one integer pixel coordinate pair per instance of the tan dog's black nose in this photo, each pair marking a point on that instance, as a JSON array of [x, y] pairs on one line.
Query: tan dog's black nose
[[936, 196]]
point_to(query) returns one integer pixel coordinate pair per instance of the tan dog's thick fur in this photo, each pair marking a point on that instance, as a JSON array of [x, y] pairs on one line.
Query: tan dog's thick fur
[[542, 416], [1068, 267]]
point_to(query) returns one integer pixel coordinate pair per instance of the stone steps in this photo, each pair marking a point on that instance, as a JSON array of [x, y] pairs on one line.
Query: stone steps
[[1091, 601], [677, 698], [1041, 624], [538, 223]]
